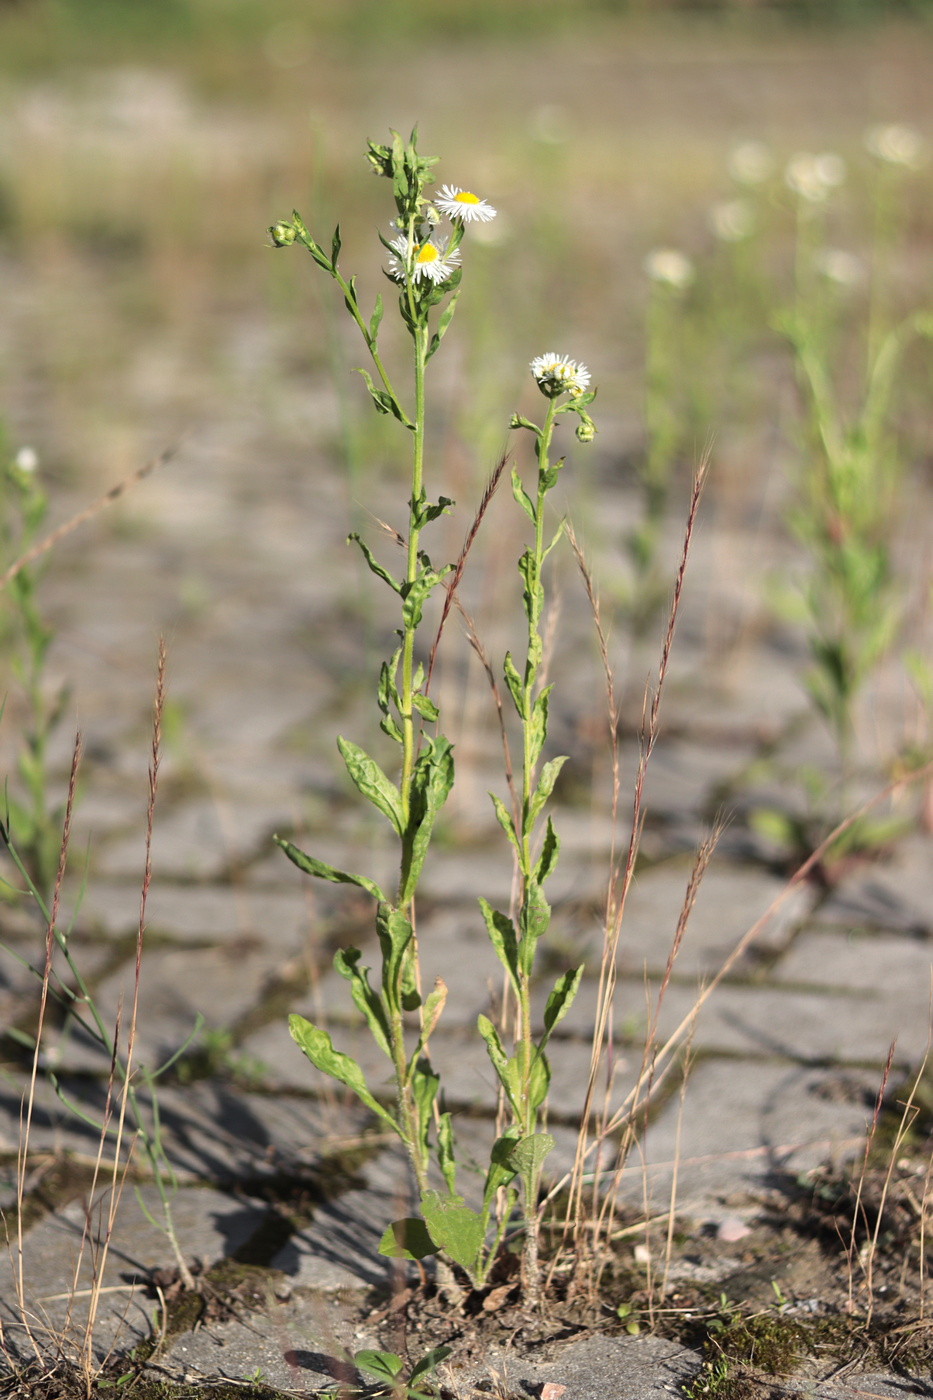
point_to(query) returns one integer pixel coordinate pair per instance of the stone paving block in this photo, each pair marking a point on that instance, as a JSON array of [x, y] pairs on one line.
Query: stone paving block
[[176, 986], [897, 970], [730, 900], [896, 895], [746, 1125], [299, 1346], [209, 1224]]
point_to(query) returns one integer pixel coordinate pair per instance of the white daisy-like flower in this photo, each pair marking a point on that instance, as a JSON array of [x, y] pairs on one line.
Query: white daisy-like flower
[[670, 266], [840, 266], [813, 177], [750, 162], [430, 262], [27, 459], [461, 204], [556, 374], [896, 145], [732, 220]]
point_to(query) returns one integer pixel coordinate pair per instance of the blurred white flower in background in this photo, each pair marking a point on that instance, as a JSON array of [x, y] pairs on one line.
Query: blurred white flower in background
[[750, 162], [897, 145], [732, 220], [813, 177], [27, 459], [840, 266], [669, 266]]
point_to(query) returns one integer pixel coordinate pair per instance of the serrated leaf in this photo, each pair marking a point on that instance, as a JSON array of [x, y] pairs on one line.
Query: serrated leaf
[[371, 782], [453, 1227], [323, 871], [503, 939], [317, 1045], [550, 850]]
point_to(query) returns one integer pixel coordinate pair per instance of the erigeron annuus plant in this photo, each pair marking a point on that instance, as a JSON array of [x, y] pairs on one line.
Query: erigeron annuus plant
[[424, 262]]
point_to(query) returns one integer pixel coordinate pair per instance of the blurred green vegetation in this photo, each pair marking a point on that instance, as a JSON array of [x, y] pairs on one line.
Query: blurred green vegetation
[[218, 36]]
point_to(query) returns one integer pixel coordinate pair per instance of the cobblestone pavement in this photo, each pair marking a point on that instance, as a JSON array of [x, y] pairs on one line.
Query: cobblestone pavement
[[234, 553]]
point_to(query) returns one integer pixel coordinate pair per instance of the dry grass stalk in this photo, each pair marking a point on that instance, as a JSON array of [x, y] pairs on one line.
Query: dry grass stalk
[[83, 516]]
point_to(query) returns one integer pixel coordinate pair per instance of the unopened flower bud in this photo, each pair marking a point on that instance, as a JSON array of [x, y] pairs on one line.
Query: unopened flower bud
[[283, 234], [586, 430]]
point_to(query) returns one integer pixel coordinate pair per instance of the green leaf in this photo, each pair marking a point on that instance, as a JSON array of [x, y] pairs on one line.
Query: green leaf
[[365, 998], [515, 684], [545, 786], [560, 1001], [431, 782], [539, 1081], [550, 850], [407, 1239], [375, 319], [327, 872], [428, 1362], [335, 249], [453, 1227], [424, 1086], [445, 1151], [504, 818], [395, 935], [374, 564], [425, 707], [507, 1070], [383, 1364], [548, 478], [371, 782], [528, 1154], [384, 401], [415, 594], [533, 919], [503, 938], [317, 1045], [444, 321], [428, 510], [501, 1171], [538, 728], [521, 495]]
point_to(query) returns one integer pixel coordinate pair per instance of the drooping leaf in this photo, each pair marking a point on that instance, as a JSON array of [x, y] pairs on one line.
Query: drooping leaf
[[374, 564], [514, 682], [311, 866], [317, 1045], [503, 938], [366, 1000], [519, 492], [407, 1239]]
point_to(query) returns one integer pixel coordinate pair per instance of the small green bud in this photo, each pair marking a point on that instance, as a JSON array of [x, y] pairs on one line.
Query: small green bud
[[283, 234], [586, 429]]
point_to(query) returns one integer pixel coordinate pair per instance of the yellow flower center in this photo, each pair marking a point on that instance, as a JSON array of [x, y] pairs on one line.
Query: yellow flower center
[[427, 253], [464, 197]]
